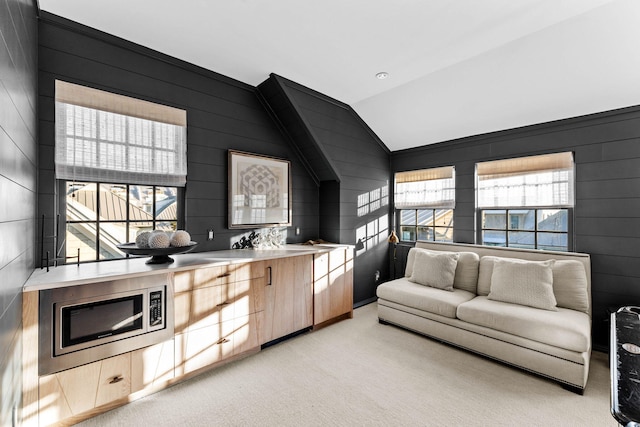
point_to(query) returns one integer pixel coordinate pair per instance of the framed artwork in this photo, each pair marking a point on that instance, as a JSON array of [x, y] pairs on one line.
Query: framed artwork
[[259, 191]]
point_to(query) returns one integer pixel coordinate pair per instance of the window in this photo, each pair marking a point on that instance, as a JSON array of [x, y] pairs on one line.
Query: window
[[100, 216], [424, 200], [526, 202], [120, 162], [426, 224], [528, 228]]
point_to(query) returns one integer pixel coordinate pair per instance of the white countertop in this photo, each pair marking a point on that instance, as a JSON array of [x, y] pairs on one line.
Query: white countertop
[[92, 272]]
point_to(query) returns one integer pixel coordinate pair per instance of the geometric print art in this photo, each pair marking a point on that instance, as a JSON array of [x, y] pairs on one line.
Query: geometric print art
[[260, 183]]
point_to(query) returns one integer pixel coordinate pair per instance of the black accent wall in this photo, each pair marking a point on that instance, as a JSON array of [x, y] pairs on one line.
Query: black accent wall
[[18, 174], [341, 171], [222, 114], [606, 147], [352, 165]]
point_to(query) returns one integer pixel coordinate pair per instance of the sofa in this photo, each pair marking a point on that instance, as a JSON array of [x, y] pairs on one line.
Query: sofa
[[527, 308]]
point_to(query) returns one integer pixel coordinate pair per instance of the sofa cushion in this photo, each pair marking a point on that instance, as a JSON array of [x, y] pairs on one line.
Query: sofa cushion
[[569, 282], [485, 271], [466, 277], [435, 269], [522, 282], [565, 328], [424, 298], [570, 285]]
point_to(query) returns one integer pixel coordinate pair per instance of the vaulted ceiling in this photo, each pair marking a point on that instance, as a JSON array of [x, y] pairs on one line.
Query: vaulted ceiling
[[455, 67]]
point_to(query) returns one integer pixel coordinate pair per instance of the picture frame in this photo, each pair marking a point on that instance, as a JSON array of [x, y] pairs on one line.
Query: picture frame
[[259, 191]]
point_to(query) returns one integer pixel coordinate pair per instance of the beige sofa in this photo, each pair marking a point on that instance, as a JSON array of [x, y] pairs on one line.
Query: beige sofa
[[530, 309]]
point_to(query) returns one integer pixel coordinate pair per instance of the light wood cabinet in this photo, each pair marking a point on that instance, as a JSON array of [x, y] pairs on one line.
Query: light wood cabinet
[[288, 297], [152, 366], [218, 314], [199, 348], [203, 277], [333, 285], [78, 390]]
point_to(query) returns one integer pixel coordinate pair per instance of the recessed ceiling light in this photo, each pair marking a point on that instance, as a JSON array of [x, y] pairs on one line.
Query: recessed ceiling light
[[382, 75]]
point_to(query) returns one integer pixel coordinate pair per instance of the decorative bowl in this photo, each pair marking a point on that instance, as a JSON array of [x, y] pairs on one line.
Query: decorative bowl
[[158, 256]]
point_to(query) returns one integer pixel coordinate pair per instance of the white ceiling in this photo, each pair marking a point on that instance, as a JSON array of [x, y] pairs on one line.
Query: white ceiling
[[457, 67]]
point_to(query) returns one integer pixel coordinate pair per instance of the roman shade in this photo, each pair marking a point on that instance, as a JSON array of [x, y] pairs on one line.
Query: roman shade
[[536, 181], [102, 136], [426, 188]]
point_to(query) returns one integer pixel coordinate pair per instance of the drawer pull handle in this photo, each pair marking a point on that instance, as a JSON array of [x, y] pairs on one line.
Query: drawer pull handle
[[222, 341], [116, 379], [268, 276], [224, 275], [222, 304]]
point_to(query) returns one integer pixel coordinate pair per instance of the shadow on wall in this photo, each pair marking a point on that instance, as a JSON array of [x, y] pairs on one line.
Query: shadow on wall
[[375, 231]]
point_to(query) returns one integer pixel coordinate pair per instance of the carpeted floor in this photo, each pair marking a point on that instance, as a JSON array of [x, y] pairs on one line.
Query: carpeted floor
[[360, 373]]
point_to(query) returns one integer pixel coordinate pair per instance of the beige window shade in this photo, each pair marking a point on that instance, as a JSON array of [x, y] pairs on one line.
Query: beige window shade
[[425, 174], [83, 96], [425, 188], [535, 181], [113, 138], [524, 165]]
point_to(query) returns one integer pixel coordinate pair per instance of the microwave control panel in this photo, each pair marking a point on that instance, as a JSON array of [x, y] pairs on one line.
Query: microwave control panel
[[155, 309]]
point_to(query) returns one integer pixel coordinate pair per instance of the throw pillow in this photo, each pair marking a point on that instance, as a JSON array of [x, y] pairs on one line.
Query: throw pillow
[[411, 257], [527, 283], [435, 269], [570, 285]]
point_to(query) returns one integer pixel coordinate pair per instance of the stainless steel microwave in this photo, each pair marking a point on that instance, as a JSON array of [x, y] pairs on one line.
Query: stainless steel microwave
[[85, 323]]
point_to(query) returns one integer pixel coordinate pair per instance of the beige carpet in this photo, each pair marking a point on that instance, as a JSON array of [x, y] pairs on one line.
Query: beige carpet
[[360, 373]]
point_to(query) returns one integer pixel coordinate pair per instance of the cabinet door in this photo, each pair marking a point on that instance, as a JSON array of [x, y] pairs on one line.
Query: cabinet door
[[152, 365], [321, 289], [341, 281], [333, 285], [288, 297], [81, 389]]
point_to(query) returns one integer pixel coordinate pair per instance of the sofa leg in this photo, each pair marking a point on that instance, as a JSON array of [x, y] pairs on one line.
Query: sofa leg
[[574, 389]]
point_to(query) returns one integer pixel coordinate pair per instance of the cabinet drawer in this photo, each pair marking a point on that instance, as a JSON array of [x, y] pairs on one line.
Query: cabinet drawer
[[203, 307], [250, 270], [152, 365], [211, 305], [249, 296], [247, 333], [84, 388], [203, 277], [203, 347]]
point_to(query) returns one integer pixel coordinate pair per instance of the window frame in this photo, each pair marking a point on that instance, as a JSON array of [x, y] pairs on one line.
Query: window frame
[[522, 167], [433, 226], [61, 199], [535, 231], [444, 178]]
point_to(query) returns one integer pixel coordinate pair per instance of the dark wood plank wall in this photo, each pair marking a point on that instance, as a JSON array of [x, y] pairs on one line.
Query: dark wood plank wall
[[295, 126], [362, 163], [607, 219], [18, 172], [222, 114]]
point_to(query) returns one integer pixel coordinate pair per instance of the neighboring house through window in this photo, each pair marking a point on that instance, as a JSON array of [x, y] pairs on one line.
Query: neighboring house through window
[[527, 202], [121, 163], [424, 202]]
